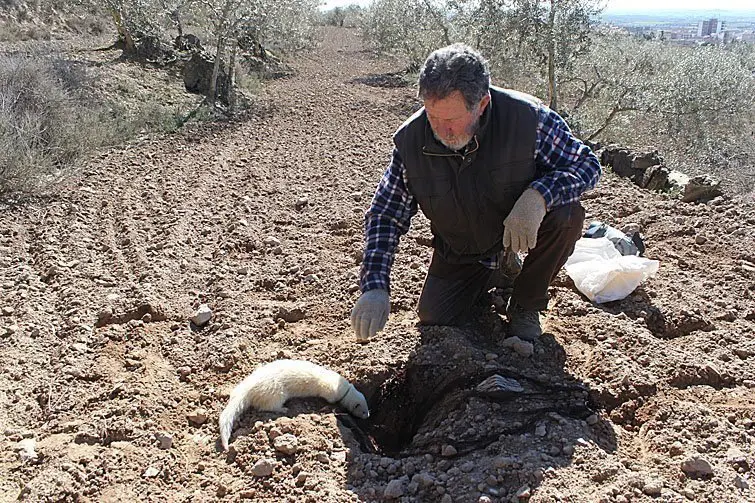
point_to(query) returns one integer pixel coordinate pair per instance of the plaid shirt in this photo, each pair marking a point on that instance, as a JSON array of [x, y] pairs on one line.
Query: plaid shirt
[[565, 168]]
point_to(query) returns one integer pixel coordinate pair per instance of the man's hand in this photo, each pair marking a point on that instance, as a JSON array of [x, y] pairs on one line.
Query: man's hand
[[522, 224], [370, 314]]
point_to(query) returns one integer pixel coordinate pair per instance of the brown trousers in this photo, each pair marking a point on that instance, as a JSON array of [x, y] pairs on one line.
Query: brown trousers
[[451, 290]]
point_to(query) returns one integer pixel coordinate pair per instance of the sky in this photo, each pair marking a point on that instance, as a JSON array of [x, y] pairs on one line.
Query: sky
[[625, 5]]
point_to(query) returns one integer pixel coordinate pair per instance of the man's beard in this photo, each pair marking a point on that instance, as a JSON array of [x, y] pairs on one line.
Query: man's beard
[[459, 142]]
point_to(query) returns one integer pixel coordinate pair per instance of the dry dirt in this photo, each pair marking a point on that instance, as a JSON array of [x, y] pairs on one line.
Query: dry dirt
[[649, 398]]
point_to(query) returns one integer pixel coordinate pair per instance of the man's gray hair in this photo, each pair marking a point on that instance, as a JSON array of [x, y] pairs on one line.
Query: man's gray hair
[[456, 67]]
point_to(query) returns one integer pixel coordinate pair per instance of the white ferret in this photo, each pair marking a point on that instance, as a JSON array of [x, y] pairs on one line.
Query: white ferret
[[269, 386]]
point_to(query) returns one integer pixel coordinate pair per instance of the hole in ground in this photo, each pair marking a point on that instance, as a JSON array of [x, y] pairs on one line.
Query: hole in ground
[[421, 407]]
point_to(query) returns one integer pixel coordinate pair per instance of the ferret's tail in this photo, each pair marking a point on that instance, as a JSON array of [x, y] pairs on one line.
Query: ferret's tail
[[232, 412]]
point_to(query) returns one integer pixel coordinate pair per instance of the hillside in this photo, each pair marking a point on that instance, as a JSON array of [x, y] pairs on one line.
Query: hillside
[[647, 399]]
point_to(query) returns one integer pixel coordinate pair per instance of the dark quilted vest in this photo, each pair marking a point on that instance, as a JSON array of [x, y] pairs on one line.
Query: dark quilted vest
[[467, 197]]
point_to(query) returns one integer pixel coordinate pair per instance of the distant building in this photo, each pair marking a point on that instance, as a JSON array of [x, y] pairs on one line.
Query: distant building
[[710, 27]]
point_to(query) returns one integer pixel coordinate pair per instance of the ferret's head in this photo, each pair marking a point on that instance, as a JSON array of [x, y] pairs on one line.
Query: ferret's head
[[355, 403]]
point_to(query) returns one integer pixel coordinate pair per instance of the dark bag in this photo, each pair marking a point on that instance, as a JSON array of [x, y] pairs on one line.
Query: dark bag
[[627, 245]]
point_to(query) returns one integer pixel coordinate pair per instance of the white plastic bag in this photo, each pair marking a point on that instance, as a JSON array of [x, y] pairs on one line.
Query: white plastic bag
[[603, 274]]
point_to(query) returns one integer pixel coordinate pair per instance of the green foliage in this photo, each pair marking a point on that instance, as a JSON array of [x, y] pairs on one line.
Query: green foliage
[[411, 28]]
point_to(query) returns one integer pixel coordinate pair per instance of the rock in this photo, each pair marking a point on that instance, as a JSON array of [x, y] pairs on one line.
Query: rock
[[287, 444], [395, 489], [272, 242], [676, 449], [448, 451], [263, 467], [540, 430], [26, 449], [105, 315], [652, 488], [166, 440], [423, 479], [198, 417], [524, 493], [467, 467], [202, 316], [301, 478], [701, 187], [522, 348], [446, 499], [8, 311], [290, 315], [301, 203], [197, 75], [150, 472], [696, 466], [741, 482], [592, 419], [700, 239]]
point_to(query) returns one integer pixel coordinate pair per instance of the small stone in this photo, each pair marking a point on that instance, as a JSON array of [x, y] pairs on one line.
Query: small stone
[[263, 467], [166, 441], [741, 482], [301, 202], [8, 311], [484, 499], [202, 315], [301, 478], [524, 492], [652, 488], [423, 479], [540, 430], [26, 449], [467, 467], [446, 499], [287, 444], [105, 315], [150, 472], [198, 417], [700, 239], [272, 242], [568, 450], [696, 466], [522, 348], [395, 489], [676, 449], [448, 451], [592, 419]]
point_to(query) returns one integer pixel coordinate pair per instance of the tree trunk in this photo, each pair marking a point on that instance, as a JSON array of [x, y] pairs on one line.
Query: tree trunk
[[552, 91], [231, 81], [124, 35], [219, 50]]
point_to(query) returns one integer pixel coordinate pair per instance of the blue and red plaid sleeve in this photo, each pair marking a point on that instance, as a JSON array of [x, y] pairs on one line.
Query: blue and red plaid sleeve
[[387, 219], [565, 166]]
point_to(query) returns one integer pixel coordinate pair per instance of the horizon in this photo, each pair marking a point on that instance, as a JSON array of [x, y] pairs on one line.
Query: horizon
[[627, 6]]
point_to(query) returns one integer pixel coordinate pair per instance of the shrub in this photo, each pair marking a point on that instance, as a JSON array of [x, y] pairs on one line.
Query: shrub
[[44, 127]]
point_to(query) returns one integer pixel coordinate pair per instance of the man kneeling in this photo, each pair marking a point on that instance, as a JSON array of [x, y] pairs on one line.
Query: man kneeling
[[492, 169]]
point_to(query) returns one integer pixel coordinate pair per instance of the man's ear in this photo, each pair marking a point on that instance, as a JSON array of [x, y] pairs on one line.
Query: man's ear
[[483, 103]]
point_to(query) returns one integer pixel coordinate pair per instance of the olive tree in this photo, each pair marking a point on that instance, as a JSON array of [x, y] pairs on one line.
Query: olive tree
[[409, 28], [696, 104]]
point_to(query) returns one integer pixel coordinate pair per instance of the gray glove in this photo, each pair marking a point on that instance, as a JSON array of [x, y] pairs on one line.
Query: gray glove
[[523, 222], [370, 313]]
